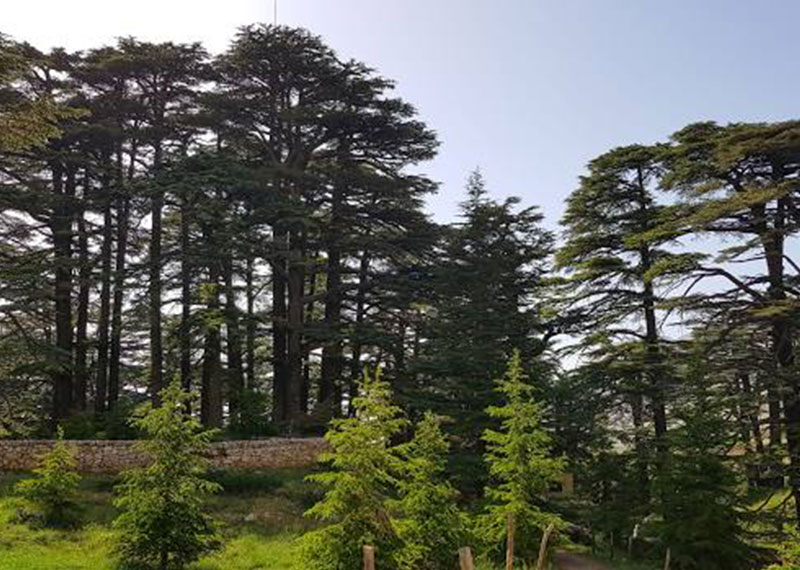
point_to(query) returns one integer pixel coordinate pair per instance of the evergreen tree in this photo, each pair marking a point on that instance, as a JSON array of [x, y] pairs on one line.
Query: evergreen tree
[[25, 121], [737, 182], [487, 292], [362, 479], [702, 512], [610, 289], [163, 521], [521, 467], [53, 493], [432, 528]]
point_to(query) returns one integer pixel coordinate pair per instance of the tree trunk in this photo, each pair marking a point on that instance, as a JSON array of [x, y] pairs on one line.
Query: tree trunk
[[294, 351], [752, 404], [250, 342], [773, 242], [235, 372], [84, 285], [305, 391], [356, 341], [61, 226], [103, 323], [123, 215], [280, 369], [332, 350], [156, 348], [640, 446], [185, 340], [211, 397]]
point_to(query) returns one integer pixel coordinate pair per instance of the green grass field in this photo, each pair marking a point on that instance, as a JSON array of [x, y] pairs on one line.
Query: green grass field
[[261, 516]]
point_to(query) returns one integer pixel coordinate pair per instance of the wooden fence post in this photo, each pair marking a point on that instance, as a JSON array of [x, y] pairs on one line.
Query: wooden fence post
[[465, 558], [543, 547], [666, 560], [369, 557], [510, 543]]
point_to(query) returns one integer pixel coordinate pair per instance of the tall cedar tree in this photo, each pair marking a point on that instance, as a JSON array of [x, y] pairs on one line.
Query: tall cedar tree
[[612, 295], [737, 181]]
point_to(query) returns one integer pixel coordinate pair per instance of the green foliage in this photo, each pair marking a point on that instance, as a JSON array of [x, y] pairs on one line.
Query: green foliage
[[486, 299], [359, 485], [789, 552], [52, 494], [700, 507], [520, 466], [253, 419], [164, 522], [432, 528]]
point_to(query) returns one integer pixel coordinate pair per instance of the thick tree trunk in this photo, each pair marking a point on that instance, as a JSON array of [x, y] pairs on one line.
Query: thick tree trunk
[[234, 336], [640, 445], [185, 341], [61, 226], [356, 341], [120, 258], [81, 376], [294, 351], [156, 347], [250, 342], [280, 369], [305, 391], [211, 397], [332, 350], [752, 403], [103, 323]]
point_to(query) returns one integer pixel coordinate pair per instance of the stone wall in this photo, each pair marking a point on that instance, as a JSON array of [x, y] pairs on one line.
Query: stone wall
[[103, 456]]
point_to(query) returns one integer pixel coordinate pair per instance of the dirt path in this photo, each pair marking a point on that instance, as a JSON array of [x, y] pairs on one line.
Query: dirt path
[[566, 561]]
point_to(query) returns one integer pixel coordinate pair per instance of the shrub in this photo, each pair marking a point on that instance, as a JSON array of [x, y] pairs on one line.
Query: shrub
[[358, 485], [431, 528], [51, 497], [163, 523]]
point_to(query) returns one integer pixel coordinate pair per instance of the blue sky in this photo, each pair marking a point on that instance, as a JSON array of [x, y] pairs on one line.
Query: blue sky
[[529, 90]]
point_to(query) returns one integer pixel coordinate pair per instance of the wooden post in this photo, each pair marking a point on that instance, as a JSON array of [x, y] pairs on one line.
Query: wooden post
[[369, 557], [510, 543], [465, 558], [666, 560], [543, 547]]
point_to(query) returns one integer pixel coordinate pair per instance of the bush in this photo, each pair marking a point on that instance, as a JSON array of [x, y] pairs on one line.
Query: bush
[[52, 496], [252, 421], [163, 523]]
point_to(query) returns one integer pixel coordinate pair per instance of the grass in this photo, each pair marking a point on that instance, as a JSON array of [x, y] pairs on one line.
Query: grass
[[261, 516]]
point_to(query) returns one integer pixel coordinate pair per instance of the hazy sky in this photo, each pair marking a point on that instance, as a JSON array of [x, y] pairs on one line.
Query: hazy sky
[[529, 90]]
